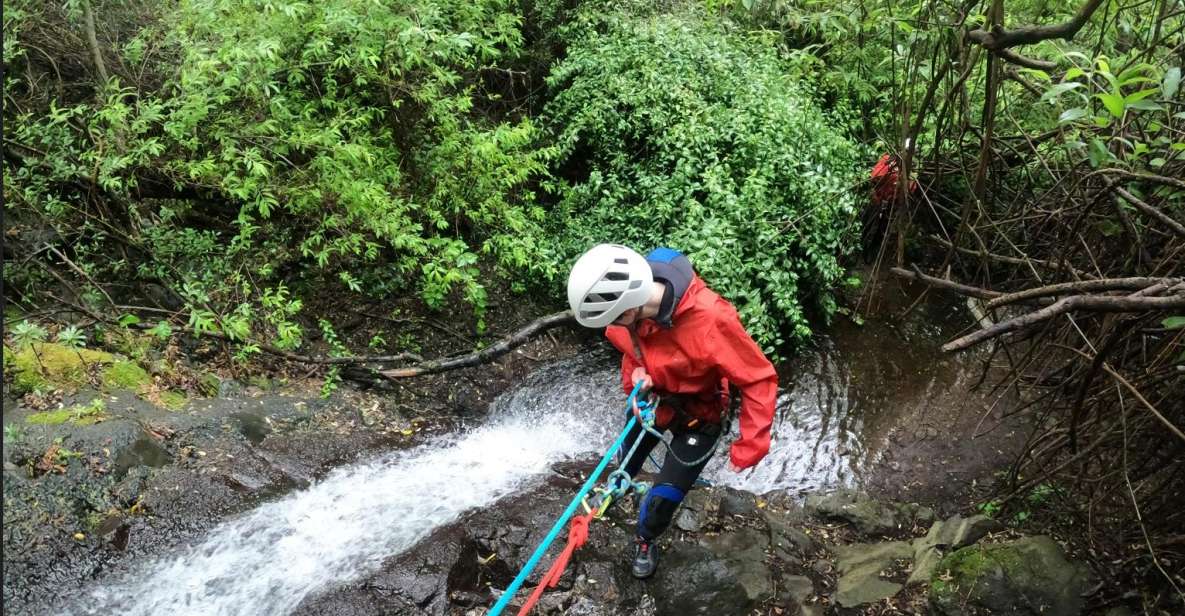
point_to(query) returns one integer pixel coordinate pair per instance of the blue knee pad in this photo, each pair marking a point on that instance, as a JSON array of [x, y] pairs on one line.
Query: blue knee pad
[[654, 515]]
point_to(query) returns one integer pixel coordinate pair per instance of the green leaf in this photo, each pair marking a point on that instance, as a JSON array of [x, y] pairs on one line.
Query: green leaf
[[1113, 103], [128, 320], [1139, 96], [1145, 106], [1070, 115], [1173, 322], [1172, 81], [162, 330], [1060, 89]]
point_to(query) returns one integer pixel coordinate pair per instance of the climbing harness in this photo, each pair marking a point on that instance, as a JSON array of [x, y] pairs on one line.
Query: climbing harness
[[618, 484]]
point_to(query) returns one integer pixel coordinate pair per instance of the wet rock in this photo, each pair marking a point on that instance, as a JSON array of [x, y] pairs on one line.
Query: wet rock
[[598, 581], [798, 589], [860, 566], [743, 552], [1027, 576], [958, 532], [735, 502], [951, 534], [700, 508], [788, 540], [692, 580], [869, 516], [688, 520]]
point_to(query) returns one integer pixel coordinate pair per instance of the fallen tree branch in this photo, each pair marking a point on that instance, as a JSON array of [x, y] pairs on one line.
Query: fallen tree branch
[[502, 347], [1049, 265], [942, 283], [1085, 286], [1148, 177], [1177, 227], [1087, 303]]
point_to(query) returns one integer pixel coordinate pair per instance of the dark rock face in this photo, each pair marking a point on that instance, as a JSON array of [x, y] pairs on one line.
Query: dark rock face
[[1027, 576]]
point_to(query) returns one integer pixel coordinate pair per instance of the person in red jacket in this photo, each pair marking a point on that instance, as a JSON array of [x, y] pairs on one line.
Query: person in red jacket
[[686, 344]]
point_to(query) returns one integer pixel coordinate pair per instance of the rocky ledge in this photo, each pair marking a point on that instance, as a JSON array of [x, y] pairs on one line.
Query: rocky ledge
[[732, 553]]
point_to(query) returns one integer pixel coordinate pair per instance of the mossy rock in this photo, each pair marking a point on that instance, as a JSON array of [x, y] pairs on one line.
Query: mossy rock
[[1027, 576], [125, 375], [45, 365]]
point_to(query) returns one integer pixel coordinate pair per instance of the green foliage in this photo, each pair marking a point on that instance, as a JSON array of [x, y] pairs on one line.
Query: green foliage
[[13, 434], [989, 508], [71, 337], [346, 138], [678, 130], [27, 333], [83, 414]]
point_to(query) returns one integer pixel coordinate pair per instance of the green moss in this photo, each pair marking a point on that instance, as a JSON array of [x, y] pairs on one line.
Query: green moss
[[970, 563], [131, 344], [125, 375], [209, 384], [173, 400], [50, 418], [83, 414], [46, 365]]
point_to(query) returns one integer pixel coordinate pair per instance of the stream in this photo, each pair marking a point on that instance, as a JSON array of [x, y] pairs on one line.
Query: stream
[[837, 405]]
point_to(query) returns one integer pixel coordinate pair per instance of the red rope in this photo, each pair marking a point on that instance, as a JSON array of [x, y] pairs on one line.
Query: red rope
[[577, 535]]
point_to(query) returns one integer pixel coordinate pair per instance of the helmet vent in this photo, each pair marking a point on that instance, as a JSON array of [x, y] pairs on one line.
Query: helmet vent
[[621, 261], [635, 284], [617, 276]]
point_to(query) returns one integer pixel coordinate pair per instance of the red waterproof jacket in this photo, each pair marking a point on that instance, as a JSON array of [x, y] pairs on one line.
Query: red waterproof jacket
[[704, 351]]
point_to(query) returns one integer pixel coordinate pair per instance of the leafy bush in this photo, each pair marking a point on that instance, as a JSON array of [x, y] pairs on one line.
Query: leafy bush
[[342, 137], [673, 129]]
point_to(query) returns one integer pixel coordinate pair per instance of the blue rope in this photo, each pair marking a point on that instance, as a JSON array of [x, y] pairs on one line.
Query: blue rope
[[511, 590]]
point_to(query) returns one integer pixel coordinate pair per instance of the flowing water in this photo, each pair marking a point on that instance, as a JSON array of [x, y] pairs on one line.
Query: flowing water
[[269, 560], [834, 409]]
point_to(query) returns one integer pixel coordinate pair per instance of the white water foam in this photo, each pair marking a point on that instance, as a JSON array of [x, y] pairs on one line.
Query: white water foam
[[269, 560]]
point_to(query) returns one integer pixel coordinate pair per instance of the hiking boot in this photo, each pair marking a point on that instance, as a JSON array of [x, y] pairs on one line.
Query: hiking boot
[[645, 558]]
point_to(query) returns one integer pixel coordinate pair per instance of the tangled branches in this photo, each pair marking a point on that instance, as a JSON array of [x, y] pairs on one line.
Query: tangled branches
[[1070, 239]]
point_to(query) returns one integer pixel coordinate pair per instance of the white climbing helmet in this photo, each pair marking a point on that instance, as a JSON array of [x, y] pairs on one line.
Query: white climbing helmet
[[605, 282]]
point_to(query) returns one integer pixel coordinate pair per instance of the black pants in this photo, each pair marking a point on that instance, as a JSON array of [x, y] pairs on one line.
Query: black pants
[[674, 480]]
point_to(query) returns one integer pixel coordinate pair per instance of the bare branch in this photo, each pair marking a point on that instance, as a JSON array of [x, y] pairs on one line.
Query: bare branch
[[1012, 57], [943, 283], [497, 350], [1177, 227], [1087, 303], [1000, 38], [1147, 177], [1085, 286], [1049, 265]]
